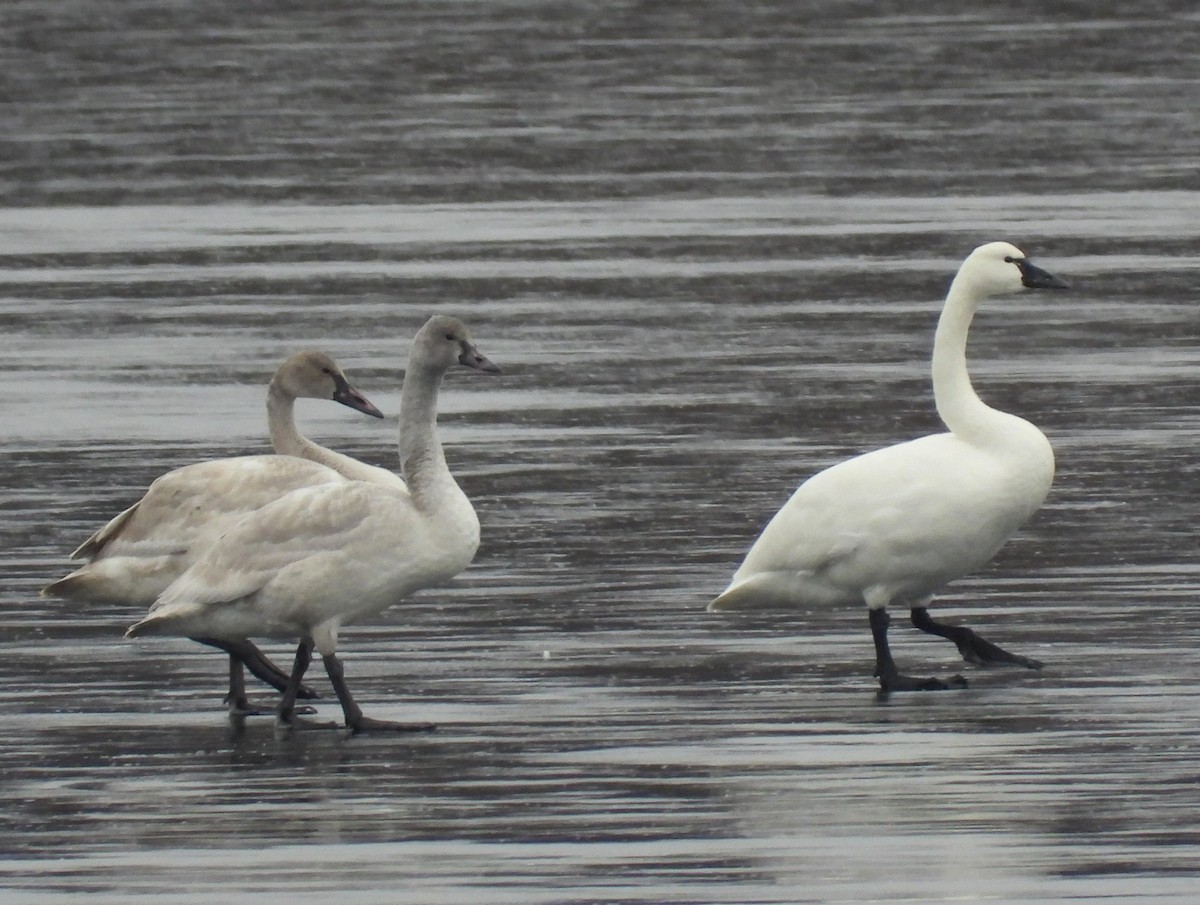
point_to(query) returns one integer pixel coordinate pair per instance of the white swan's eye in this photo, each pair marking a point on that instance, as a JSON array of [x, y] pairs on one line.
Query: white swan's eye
[[1009, 259]]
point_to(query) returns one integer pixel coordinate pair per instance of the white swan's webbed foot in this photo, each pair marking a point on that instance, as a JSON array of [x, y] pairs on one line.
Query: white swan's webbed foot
[[890, 678], [982, 652], [975, 649]]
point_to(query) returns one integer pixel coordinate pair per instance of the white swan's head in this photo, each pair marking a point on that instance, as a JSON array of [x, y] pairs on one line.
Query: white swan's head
[[999, 268], [314, 375], [444, 342]]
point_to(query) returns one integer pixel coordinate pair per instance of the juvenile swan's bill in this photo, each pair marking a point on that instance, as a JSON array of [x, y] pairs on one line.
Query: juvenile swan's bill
[[133, 558], [895, 525], [327, 556]]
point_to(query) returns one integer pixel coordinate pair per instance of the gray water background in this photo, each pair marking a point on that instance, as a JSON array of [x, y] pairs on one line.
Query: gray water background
[[707, 243]]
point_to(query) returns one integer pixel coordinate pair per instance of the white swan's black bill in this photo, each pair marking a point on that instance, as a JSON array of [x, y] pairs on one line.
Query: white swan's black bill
[[1036, 278]]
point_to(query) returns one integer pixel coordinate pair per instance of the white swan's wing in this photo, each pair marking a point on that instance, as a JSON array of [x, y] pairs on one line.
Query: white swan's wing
[[900, 520]]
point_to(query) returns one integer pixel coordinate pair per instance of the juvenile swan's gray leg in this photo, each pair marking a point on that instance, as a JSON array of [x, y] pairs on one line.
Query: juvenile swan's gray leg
[[259, 664], [285, 713], [236, 699], [355, 721]]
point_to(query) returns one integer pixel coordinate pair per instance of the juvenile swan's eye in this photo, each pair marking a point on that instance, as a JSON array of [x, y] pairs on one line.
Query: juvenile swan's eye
[[326, 371], [450, 336]]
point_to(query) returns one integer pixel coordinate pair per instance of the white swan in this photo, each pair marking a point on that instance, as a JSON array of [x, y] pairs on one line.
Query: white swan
[[134, 557], [896, 524], [323, 557]]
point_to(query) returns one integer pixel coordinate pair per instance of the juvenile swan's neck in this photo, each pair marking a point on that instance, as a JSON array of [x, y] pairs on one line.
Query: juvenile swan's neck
[[286, 438], [958, 405], [422, 462]]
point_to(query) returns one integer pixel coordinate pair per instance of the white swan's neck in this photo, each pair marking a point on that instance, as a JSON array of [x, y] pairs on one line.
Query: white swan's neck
[[960, 408], [422, 462]]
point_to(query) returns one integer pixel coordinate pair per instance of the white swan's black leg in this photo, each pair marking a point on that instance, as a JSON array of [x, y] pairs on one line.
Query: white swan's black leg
[[355, 721], [973, 648], [285, 713], [890, 678], [258, 663]]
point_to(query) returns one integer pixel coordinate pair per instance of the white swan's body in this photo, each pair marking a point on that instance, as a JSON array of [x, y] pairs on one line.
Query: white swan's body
[[134, 557], [896, 524], [323, 557]]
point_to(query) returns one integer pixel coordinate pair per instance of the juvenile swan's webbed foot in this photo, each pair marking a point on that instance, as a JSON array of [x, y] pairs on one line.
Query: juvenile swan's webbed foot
[[240, 705], [299, 723], [267, 671], [258, 663], [286, 713], [370, 724], [245, 707], [235, 701], [974, 648], [355, 721]]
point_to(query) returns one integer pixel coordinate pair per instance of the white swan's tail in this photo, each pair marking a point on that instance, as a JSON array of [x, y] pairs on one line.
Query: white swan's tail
[[761, 591]]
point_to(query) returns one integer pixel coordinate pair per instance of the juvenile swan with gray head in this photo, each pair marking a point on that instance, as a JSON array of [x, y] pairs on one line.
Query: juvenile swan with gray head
[[133, 558], [895, 525], [327, 556]]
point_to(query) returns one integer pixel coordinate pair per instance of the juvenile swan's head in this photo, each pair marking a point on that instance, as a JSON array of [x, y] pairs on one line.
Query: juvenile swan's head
[[444, 342], [314, 375]]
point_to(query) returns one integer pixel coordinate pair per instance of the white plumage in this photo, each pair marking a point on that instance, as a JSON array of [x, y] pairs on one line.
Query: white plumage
[[895, 525]]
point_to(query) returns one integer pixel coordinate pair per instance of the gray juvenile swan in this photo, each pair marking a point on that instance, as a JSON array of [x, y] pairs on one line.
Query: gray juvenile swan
[[322, 557], [894, 525], [134, 557]]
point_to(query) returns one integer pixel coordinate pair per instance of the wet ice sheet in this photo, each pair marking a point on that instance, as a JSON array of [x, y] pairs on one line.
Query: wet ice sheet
[[752, 298], [601, 737]]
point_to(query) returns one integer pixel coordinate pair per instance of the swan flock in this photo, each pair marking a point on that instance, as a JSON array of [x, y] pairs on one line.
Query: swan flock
[[298, 544]]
